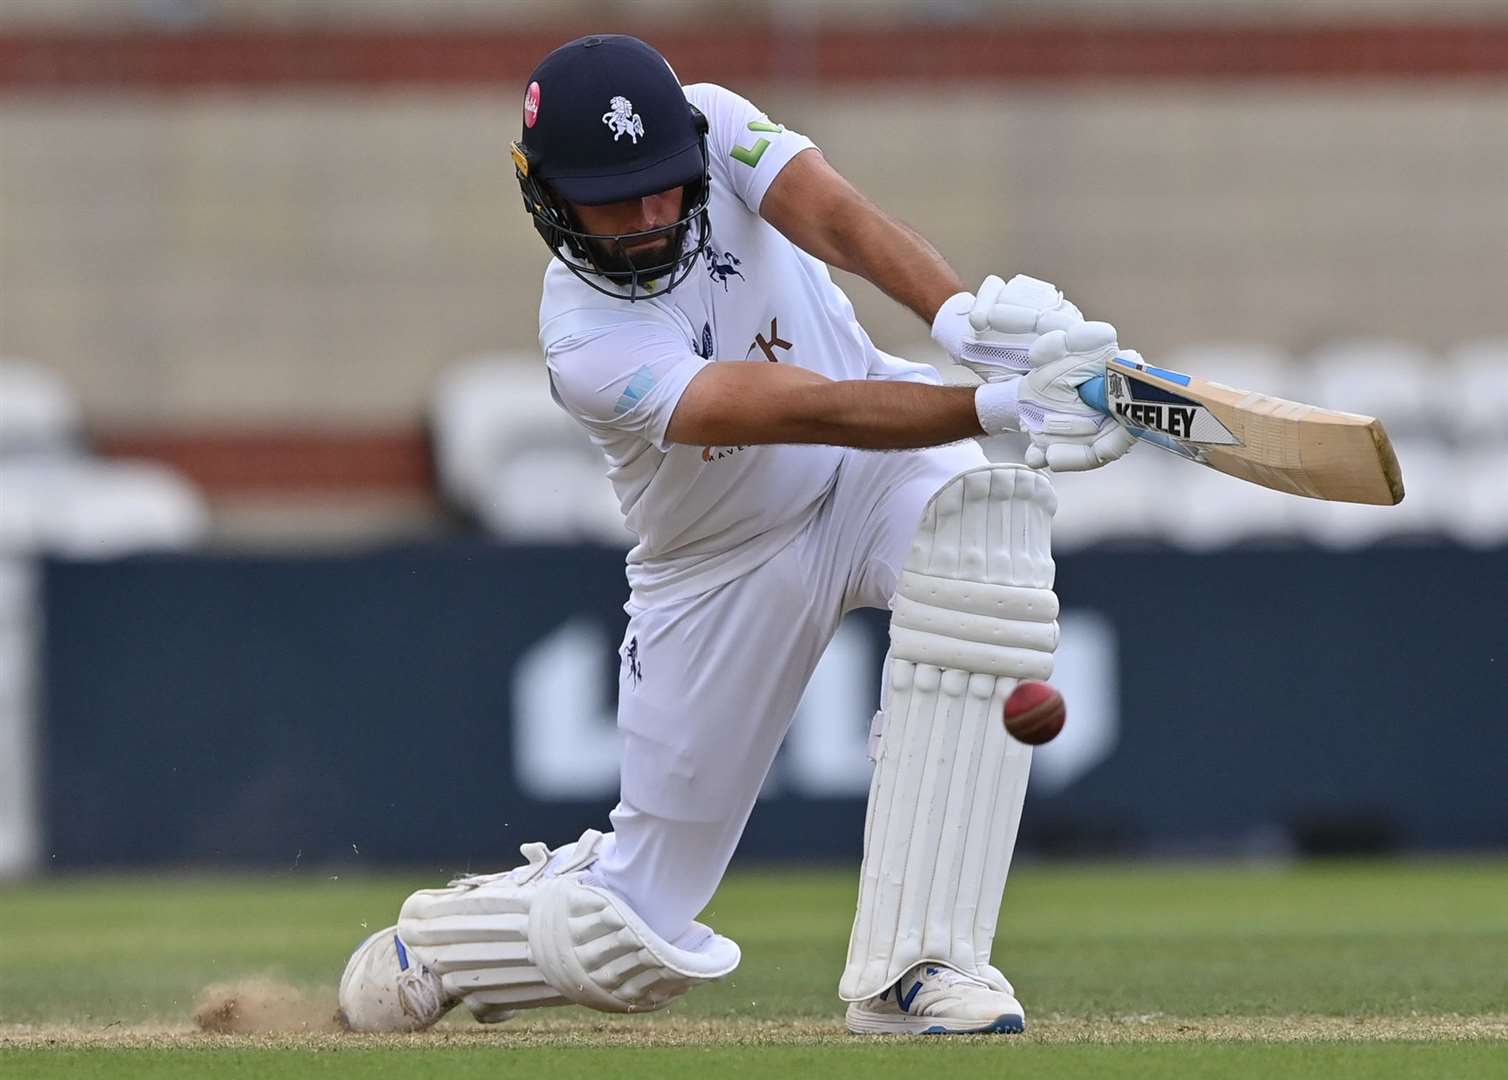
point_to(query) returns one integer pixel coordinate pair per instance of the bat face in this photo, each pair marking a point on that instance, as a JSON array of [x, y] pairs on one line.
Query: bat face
[[1279, 444]]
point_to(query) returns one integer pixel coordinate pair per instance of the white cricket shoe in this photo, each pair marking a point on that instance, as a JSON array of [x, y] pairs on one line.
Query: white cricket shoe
[[934, 1000], [385, 987]]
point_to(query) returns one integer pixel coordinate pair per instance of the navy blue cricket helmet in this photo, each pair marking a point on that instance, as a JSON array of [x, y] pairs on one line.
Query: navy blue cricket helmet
[[605, 121]]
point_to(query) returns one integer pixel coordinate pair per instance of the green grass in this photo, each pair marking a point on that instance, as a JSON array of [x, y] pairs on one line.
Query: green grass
[[1414, 1061], [1346, 969]]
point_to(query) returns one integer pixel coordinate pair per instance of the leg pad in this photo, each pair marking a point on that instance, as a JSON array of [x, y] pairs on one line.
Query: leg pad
[[973, 613]]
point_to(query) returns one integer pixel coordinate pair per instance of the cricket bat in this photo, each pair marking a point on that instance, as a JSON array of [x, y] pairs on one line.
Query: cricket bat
[[1279, 444]]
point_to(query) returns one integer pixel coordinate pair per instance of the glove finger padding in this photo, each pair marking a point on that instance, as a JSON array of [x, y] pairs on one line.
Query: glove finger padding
[[1030, 292], [1023, 305], [1070, 457], [1005, 319], [1080, 454], [1113, 442], [984, 299], [1083, 340], [1013, 319], [1060, 319]]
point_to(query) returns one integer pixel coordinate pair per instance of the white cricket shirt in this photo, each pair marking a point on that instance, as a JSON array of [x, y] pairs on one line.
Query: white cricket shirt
[[704, 515]]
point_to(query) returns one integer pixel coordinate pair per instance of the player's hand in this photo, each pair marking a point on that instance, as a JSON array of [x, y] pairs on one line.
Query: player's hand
[[1066, 434], [1004, 319]]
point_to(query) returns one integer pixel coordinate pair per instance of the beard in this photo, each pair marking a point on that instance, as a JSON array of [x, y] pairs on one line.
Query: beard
[[620, 263]]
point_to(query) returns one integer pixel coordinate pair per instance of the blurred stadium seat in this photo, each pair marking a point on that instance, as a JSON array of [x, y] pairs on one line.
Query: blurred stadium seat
[[1398, 383], [19, 625], [37, 412], [1215, 511], [16, 583], [1477, 512], [1478, 382], [19, 513], [1132, 500], [1431, 481], [56, 499], [507, 456], [97, 509]]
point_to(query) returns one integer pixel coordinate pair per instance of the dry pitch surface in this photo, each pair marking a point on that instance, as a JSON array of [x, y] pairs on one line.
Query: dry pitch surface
[[546, 1032], [1348, 969]]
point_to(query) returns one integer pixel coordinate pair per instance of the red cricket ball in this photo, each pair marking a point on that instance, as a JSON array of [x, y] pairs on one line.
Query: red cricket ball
[[1034, 712]]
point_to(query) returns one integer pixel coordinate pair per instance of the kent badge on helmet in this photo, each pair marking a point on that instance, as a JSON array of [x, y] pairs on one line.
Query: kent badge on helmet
[[605, 120]]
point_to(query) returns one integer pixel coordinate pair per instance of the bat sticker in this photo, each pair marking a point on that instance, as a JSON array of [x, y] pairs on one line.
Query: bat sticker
[[1154, 409]]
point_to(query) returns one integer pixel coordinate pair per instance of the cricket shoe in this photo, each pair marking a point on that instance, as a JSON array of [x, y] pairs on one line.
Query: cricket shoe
[[386, 988], [934, 1000]]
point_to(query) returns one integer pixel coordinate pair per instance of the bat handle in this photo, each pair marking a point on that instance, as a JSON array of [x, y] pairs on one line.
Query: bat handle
[[1092, 393]]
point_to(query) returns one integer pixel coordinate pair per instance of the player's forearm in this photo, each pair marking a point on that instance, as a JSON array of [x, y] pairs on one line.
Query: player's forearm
[[895, 258], [823, 214], [756, 403], [886, 415]]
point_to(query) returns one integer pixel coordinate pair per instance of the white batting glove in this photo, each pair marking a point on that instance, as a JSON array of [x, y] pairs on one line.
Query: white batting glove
[[990, 331], [1070, 436], [1066, 434]]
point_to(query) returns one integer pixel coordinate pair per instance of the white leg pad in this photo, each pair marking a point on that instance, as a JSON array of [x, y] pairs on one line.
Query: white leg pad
[[544, 935], [593, 947], [474, 933], [973, 613]]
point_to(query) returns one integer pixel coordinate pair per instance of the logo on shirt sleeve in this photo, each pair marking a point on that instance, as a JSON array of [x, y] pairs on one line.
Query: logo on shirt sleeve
[[750, 155], [634, 392]]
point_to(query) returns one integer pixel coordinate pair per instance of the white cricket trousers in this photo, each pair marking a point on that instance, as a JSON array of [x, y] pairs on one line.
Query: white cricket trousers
[[717, 677]]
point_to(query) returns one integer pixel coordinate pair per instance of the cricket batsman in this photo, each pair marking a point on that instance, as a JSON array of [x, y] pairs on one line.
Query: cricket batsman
[[778, 470]]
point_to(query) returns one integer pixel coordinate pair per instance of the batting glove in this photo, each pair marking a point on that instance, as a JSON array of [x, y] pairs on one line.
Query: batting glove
[[990, 331], [1066, 434]]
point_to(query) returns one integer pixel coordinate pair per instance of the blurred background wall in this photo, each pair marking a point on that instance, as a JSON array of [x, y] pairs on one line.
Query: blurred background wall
[[305, 216], [266, 285]]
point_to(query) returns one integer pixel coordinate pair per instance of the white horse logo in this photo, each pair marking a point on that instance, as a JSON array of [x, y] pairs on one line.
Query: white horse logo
[[623, 120]]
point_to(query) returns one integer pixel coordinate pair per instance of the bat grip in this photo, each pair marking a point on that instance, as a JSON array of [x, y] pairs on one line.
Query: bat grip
[[1092, 393]]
